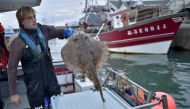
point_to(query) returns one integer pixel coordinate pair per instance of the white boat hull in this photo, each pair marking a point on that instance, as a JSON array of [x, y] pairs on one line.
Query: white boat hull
[[153, 48]]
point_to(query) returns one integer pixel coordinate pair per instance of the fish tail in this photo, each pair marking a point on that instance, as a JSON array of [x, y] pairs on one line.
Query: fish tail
[[99, 88]]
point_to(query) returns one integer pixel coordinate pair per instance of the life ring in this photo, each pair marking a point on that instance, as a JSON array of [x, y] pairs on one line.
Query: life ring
[[170, 101]]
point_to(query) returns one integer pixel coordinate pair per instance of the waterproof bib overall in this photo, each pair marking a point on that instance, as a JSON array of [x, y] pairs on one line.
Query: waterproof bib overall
[[37, 66]]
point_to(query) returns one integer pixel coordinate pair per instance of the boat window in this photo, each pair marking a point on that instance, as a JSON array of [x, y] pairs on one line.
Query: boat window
[[133, 15], [148, 13]]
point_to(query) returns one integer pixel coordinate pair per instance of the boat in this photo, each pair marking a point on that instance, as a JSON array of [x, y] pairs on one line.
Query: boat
[[119, 91], [78, 92], [144, 29]]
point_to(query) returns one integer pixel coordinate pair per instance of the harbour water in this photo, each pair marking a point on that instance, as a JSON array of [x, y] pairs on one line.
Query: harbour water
[[167, 73]]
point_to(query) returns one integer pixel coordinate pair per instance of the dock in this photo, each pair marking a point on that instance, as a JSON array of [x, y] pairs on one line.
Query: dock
[[182, 38]]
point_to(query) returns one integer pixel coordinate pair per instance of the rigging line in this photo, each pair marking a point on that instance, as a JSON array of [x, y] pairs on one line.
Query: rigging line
[[87, 14]]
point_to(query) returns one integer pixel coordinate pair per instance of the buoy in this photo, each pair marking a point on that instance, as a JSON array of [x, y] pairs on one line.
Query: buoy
[[136, 93], [170, 101]]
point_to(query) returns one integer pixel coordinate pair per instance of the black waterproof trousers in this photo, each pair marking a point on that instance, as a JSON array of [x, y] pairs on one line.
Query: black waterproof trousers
[[39, 78]]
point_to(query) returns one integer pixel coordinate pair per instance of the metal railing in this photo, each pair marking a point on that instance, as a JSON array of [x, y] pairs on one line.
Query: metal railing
[[172, 7], [176, 5], [119, 82]]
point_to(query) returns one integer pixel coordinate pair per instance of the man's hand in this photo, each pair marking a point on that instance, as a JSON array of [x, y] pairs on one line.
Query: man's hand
[[68, 32], [15, 99]]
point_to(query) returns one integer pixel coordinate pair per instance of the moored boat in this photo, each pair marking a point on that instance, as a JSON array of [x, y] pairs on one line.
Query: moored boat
[[138, 29], [149, 36]]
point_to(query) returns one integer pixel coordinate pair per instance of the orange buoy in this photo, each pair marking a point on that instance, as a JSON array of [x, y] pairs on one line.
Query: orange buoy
[[136, 93], [170, 101]]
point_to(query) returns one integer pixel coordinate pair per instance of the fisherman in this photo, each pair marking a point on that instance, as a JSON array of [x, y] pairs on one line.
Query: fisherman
[[3, 59], [31, 48]]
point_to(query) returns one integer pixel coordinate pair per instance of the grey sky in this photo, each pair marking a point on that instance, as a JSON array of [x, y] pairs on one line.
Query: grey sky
[[54, 12]]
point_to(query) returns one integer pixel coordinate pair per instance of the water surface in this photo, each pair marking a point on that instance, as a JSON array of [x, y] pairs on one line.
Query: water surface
[[166, 73]]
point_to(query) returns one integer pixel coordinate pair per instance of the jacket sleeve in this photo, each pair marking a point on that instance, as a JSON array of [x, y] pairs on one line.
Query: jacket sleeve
[[53, 32], [4, 58], [14, 58]]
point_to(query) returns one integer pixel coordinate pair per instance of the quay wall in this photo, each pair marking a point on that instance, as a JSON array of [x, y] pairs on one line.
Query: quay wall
[[182, 37]]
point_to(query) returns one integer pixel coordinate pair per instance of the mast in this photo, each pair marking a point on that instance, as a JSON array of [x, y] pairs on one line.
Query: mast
[[91, 10], [86, 6], [108, 4], [85, 10]]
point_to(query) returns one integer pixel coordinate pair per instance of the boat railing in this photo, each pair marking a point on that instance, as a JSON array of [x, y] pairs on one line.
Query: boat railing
[[137, 96], [148, 13], [136, 15], [145, 13], [176, 5]]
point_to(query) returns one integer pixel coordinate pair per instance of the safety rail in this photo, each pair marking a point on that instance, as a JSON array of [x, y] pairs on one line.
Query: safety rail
[[176, 5], [145, 13], [148, 13], [152, 12], [137, 96]]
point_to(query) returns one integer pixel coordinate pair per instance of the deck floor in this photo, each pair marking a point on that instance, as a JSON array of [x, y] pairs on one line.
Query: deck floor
[[89, 100], [21, 89], [81, 100]]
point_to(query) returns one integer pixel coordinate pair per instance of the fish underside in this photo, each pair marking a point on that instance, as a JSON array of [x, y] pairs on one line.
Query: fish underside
[[85, 55]]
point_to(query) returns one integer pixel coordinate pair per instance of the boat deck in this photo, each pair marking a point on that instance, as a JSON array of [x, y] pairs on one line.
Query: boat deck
[[89, 100], [21, 89], [82, 100]]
